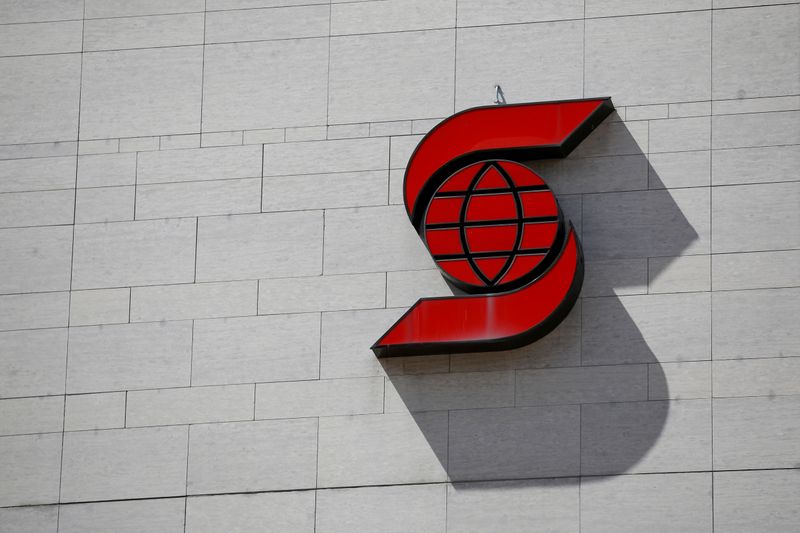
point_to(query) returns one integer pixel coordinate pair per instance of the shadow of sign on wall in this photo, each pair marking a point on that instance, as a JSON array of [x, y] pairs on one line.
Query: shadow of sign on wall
[[588, 399]]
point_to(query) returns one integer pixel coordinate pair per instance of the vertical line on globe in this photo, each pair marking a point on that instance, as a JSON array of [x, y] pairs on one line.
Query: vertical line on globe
[[463, 226], [520, 225]]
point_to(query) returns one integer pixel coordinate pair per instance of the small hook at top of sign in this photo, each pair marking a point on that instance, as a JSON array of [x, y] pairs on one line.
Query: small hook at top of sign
[[499, 97]]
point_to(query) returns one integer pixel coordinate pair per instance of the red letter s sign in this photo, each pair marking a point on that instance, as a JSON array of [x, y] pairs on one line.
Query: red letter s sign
[[493, 227]]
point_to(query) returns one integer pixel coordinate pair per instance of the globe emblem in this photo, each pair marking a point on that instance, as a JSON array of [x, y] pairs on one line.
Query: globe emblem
[[491, 226]]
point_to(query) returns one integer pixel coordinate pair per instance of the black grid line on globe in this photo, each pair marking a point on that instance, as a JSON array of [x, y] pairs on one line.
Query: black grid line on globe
[[516, 219]]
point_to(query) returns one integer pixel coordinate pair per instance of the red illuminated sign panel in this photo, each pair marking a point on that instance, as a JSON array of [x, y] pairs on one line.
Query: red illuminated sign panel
[[494, 228]]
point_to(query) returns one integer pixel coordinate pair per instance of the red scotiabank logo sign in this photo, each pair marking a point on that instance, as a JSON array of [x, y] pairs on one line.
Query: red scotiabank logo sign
[[494, 228]]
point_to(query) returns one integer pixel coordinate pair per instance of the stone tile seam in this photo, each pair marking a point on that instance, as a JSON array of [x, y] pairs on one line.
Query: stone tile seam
[[326, 311], [71, 271], [407, 270], [704, 399], [147, 15], [710, 400], [362, 205], [289, 7], [323, 209], [203, 77], [627, 295], [186, 473], [327, 86], [334, 139], [255, 386], [286, 39], [711, 259], [390, 376], [421, 483], [373, 169]]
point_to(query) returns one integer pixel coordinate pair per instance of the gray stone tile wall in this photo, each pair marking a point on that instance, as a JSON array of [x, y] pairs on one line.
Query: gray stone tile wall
[[202, 234]]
